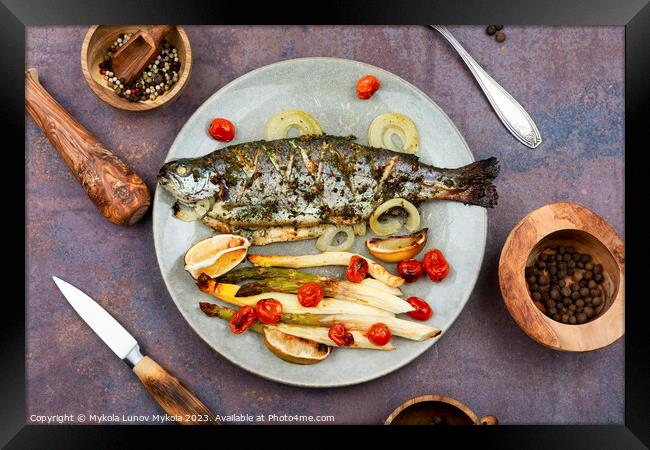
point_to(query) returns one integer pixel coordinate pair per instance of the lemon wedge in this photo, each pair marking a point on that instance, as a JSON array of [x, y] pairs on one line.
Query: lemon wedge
[[216, 255], [295, 349], [398, 248]]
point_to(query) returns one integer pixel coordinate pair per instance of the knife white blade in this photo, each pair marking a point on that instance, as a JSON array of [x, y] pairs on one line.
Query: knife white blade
[[102, 323], [183, 406]]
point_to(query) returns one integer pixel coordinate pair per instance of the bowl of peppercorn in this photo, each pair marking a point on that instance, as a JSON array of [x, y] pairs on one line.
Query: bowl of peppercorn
[[436, 410], [159, 84], [562, 278]]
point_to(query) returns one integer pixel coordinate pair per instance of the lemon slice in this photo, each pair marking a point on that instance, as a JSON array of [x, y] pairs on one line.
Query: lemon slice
[[216, 255], [295, 349], [398, 248]]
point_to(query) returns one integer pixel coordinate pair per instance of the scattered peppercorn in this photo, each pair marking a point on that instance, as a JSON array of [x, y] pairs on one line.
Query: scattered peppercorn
[[156, 79], [491, 29], [500, 36], [566, 285]]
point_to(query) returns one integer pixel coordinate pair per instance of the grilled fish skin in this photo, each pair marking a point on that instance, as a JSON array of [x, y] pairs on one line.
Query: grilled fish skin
[[314, 180]]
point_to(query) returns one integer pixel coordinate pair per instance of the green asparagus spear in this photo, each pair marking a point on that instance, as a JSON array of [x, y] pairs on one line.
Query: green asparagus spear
[[225, 313], [289, 286], [263, 273], [399, 327]]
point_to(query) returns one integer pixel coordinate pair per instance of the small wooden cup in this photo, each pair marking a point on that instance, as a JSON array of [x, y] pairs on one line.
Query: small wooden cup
[[567, 224], [431, 409], [98, 40]]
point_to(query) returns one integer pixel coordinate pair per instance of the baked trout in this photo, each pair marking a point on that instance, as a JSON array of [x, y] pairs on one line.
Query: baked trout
[[290, 189]]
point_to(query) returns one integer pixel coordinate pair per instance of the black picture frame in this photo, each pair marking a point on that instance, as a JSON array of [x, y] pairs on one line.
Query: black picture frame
[[15, 15]]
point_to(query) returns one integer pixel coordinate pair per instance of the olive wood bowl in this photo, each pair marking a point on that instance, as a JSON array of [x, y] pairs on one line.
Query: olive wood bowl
[[425, 410], [97, 41], [574, 225]]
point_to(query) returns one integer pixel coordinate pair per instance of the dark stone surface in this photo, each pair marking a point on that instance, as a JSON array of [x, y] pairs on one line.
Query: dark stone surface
[[570, 80]]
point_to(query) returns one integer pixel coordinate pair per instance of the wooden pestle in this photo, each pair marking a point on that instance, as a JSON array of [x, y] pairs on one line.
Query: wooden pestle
[[118, 192]]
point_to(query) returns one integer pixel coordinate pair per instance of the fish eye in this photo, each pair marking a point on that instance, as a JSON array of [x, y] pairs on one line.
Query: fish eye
[[182, 171]]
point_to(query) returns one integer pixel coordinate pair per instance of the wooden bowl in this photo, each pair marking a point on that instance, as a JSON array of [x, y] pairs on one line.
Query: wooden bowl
[[431, 409], [97, 41], [572, 225]]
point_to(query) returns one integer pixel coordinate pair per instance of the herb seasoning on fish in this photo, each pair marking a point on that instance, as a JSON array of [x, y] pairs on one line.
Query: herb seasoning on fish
[[290, 189]]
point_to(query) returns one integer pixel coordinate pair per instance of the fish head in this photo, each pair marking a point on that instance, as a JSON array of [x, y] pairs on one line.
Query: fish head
[[188, 182]]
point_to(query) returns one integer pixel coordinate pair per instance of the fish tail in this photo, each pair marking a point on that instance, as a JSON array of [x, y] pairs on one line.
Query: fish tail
[[470, 184]]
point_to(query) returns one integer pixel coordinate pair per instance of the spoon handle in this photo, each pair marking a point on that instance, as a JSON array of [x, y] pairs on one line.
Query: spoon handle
[[511, 113]]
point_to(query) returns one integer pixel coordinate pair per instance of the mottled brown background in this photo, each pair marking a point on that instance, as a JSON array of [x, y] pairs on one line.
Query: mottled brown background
[[570, 80]]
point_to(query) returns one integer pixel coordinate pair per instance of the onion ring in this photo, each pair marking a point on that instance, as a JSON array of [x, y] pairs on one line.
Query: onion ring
[[392, 226], [324, 242]]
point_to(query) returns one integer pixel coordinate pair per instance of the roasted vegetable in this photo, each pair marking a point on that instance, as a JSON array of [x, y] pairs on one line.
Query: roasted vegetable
[[290, 304], [295, 349], [375, 270], [314, 333]]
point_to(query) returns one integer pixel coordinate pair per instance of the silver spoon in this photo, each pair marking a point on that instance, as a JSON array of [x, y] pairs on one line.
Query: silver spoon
[[511, 113]]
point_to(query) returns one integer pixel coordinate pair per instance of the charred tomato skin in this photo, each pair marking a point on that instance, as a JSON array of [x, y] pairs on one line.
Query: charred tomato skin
[[367, 86], [222, 129], [435, 265], [310, 294], [379, 334], [268, 310], [340, 335], [410, 270], [357, 269], [242, 320], [422, 309]]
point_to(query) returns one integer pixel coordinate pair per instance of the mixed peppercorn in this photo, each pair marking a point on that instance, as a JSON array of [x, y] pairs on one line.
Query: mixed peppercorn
[[156, 79], [566, 285], [495, 30]]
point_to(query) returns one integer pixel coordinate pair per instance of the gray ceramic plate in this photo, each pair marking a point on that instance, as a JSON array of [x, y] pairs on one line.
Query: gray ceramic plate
[[324, 87]]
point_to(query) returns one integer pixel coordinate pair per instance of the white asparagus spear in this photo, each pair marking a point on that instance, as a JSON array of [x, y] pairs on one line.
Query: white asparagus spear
[[398, 327], [290, 304], [376, 284], [376, 270], [320, 334]]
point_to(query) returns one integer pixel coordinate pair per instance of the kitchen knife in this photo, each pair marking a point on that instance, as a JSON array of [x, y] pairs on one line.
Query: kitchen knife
[[174, 398]]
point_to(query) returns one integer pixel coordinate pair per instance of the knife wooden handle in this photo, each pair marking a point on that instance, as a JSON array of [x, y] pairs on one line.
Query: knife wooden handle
[[118, 192], [174, 398]]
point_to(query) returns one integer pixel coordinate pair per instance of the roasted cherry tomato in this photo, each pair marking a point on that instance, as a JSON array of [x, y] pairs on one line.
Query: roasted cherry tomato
[[242, 320], [310, 294], [367, 86], [379, 334], [422, 309], [435, 265], [268, 310], [410, 269], [340, 335], [357, 269], [222, 130]]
